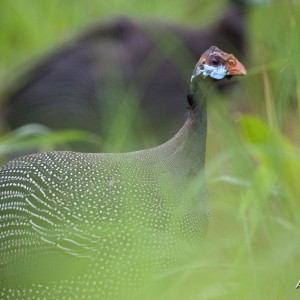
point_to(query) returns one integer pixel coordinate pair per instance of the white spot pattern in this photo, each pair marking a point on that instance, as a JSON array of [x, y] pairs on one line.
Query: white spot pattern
[[99, 226]]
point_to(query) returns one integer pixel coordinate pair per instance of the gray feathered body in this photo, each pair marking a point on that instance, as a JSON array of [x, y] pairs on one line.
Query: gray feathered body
[[102, 226]]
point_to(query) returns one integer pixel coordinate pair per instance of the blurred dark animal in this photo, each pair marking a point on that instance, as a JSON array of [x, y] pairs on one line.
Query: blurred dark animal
[[90, 83]]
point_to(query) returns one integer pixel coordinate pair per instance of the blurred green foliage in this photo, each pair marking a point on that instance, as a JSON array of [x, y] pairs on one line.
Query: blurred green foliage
[[28, 28], [253, 162]]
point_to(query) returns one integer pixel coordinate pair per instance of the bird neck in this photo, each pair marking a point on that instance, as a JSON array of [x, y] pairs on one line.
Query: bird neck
[[196, 124], [198, 93], [188, 146]]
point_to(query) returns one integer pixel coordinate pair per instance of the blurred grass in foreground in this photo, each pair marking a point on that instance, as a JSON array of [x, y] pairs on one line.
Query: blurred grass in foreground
[[252, 248], [253, 165]]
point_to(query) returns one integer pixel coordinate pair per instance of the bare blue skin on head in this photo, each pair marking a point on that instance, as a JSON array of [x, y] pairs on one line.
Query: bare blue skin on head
[[218, 72]]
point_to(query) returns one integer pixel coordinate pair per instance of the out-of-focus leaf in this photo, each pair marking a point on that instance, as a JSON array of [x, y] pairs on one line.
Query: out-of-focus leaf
[[41, 138]]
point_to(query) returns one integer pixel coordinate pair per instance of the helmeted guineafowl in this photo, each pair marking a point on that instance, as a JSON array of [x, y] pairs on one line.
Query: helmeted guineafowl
[[84, 84], [108, 226]]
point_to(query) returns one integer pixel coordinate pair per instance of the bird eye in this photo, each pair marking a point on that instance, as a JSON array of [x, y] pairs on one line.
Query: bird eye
[[214, 61]]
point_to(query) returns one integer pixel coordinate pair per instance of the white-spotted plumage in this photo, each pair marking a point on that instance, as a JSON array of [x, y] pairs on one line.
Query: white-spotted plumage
[[100, 212]]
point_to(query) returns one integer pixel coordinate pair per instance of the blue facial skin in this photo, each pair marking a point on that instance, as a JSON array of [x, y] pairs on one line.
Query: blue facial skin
[[218, 72]]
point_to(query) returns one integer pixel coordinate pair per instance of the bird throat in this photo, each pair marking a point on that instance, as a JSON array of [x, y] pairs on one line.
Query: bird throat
[[198, 93]]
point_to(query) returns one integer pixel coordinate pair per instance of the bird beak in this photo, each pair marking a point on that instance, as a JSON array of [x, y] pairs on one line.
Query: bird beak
[[236, 69]]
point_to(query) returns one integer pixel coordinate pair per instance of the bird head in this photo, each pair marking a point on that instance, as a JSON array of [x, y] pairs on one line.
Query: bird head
[[218, 64]]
